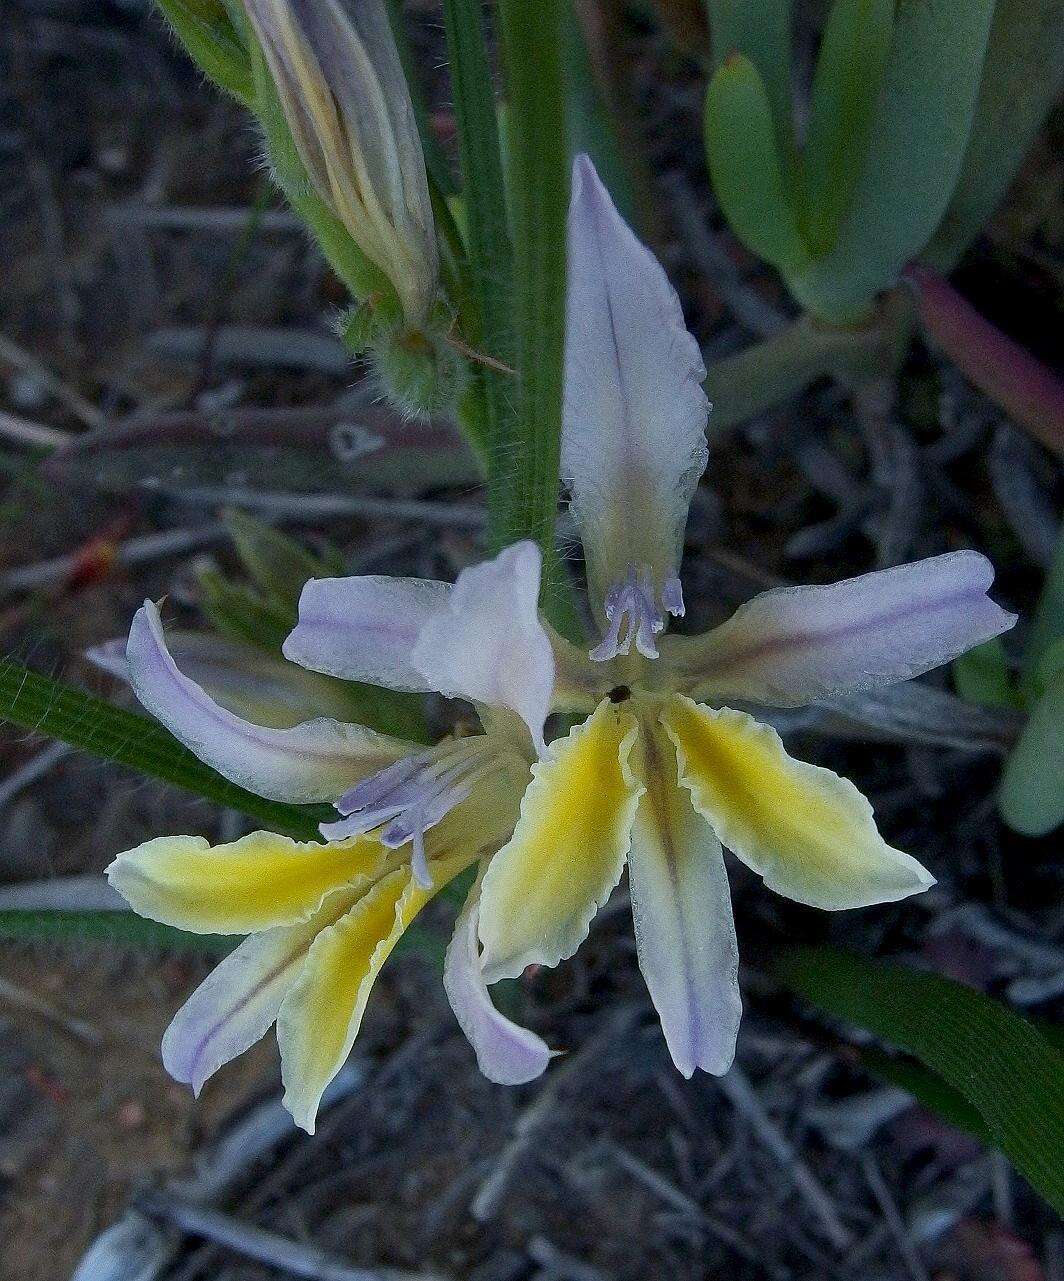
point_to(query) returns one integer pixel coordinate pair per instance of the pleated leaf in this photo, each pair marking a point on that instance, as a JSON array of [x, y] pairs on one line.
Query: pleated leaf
[[115, 929], [998, 1062]]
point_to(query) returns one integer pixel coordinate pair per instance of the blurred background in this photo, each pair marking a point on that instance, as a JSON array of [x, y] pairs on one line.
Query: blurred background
[[167, 351]]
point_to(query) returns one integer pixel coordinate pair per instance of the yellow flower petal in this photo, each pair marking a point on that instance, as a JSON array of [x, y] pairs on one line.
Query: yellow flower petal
[[542, 890], [681, 909], [255, 883], [320, 1016], [807, 831], [238, 1001]]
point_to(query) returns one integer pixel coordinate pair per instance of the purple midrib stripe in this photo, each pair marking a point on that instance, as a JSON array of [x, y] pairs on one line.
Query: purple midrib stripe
[[793, 639], [208, 1036], [326, 623], [658, 804]]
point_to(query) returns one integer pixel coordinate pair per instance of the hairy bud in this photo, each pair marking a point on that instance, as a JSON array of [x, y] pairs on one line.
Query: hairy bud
[[341, 86]]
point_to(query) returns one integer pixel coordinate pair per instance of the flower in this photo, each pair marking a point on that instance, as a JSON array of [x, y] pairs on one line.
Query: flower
[[341, 87], [658, 776], [323, 918], [663, 773]]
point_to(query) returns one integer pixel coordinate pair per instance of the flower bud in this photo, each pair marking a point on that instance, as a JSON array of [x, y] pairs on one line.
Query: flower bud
[[345, 99]]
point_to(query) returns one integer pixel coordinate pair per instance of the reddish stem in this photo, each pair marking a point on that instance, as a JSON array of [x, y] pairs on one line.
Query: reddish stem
[[1029, 392]]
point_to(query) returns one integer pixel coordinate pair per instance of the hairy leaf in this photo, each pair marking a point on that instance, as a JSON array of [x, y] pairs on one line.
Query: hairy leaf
[[523, 483], [214, 47]]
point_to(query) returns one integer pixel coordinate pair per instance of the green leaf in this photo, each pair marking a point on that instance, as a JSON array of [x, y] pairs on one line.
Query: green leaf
[[523, 481], [761, 31], [982, 676], [594, 127], [931, 1091], [117, 929], [744, 164], [1052, 661], [1047, 626], [238, 611], [213, 46], [996, 1060], [927, 1088], [849, 72], [916, 147], [1032, 786], [276, 562], [46, 706], [1022, 79]]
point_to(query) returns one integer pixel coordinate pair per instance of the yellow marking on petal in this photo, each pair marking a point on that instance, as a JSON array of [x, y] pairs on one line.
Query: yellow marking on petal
[[238, 1001], [807, 831], [322, 1012], [255, 883], [542, 890]]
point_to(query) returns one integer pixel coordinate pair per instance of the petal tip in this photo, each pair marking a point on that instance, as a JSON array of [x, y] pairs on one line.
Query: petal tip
[[304, 1112], [498, 969]]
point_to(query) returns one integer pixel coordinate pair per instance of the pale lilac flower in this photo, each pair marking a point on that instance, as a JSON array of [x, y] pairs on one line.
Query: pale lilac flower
[[661, 775], [322, 918], [657, 778]]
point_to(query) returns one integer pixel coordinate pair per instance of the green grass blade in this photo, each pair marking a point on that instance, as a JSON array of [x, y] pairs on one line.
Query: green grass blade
[[1009, 1073], [113, 929], [46, 706], [523, 487]]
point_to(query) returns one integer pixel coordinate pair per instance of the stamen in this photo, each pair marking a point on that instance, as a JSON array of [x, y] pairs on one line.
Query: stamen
[[410, 796], [633, 614], [672, 597]]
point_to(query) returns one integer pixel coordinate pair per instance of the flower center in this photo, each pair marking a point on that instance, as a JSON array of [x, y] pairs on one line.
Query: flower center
[[409, 797], [634, 614]]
